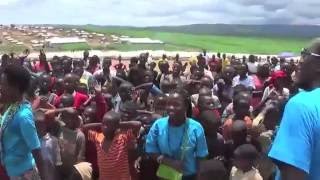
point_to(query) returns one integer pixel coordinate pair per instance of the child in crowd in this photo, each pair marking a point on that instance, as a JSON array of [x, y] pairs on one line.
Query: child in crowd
[[215, 141], [212, 169], [244, 159], [70, 84], [241, 107], [112, 145], [50, 148], [72, 141]]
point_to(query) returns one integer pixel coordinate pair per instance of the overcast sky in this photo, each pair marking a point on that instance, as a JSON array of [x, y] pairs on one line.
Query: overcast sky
[[159, 12]]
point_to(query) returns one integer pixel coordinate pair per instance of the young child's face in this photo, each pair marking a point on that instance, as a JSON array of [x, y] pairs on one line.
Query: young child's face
[[44, 83], [89, 115], [66, 101], [125, 93], [206, 103], [71, 119], [243, 164], [109, 126], [241, 109]]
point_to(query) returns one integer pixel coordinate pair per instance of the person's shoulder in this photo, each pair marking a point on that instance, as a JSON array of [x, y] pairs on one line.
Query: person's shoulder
[[307, 98], [80, 134], [24, 110], [80, 95], [161, 121], [194, 124]]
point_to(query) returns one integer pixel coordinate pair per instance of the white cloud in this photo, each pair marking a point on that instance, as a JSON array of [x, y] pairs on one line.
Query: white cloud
[[159, 12]]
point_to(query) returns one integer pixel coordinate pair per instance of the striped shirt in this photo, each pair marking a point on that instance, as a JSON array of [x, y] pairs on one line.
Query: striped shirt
[[114, 164]]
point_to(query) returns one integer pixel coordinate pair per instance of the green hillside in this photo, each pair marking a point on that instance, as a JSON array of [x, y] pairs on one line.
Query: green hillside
[[188, 42]]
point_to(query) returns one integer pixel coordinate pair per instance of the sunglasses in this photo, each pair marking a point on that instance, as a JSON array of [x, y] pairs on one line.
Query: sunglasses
[[305, 52]]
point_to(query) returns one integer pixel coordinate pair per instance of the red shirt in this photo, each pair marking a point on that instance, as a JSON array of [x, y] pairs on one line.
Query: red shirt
[[78, 100], [226, 128], [114, 164], [41, 67], [102, 107]]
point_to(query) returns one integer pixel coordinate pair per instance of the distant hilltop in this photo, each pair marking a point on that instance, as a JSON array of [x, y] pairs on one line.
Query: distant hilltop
[[271, 30]]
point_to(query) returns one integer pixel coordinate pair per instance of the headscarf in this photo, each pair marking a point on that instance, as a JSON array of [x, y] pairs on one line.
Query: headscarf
[[277, 75]]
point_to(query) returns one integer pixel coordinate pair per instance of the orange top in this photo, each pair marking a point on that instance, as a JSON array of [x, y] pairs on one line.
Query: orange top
[[114, 164], [226, 128]]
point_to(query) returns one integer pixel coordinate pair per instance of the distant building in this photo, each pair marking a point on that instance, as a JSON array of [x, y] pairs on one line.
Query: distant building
[[51, 42], [139, 40]]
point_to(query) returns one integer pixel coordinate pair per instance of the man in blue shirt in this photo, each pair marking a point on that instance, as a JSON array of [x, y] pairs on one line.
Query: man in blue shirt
[[296, 149], [177, 141], [20, 146]]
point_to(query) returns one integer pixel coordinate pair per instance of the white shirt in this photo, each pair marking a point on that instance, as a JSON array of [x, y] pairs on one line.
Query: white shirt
[[248, 82], [237, 174], [50, 151], [208, 74], [253, 67]]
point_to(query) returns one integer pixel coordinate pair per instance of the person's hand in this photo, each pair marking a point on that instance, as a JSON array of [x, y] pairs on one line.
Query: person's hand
[[43, 100], [48, 112], [98, 88], [137, 164], [175, 164]]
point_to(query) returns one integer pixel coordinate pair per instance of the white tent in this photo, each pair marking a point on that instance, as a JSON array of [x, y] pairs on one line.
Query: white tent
[[64, 40]]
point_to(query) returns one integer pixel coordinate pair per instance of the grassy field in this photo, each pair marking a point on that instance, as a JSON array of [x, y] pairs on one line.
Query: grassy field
[[5, 48], [72, 47], [189, 42]]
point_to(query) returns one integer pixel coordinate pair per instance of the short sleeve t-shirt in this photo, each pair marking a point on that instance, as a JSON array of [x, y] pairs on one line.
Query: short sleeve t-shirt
[[19, 139], [114, 164], [167, 140], [300, 127], [248, 82]]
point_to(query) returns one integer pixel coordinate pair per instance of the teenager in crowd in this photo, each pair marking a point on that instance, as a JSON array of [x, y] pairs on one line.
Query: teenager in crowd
[[20, 145]]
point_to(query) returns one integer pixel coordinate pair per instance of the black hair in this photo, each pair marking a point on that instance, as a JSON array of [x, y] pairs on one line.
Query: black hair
[[116, 116], [238, 89], [65, 100], [252, 59], [239, 126], [185, 99], [246, 151], [125, 86], [18, 76]]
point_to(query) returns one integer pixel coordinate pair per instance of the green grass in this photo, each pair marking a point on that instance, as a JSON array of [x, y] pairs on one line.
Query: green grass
[[8, 48], [135, 47], [187, 42], [73, 47]]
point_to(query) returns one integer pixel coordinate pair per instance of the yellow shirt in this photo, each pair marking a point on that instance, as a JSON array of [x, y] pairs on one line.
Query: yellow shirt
[[225, 63]]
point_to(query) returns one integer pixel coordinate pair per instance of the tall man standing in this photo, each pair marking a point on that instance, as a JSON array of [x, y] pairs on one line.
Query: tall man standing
[[296, 149]]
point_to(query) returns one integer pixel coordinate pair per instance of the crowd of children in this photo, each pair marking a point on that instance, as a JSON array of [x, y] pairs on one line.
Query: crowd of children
[[99, 120]]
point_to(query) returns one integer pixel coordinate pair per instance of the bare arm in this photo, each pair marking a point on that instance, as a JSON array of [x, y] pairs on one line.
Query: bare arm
[[91, 126], [134, 125], [289, 172], [39, 162]]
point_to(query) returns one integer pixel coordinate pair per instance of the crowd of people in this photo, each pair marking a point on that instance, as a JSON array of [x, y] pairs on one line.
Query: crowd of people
[[207, 118]]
